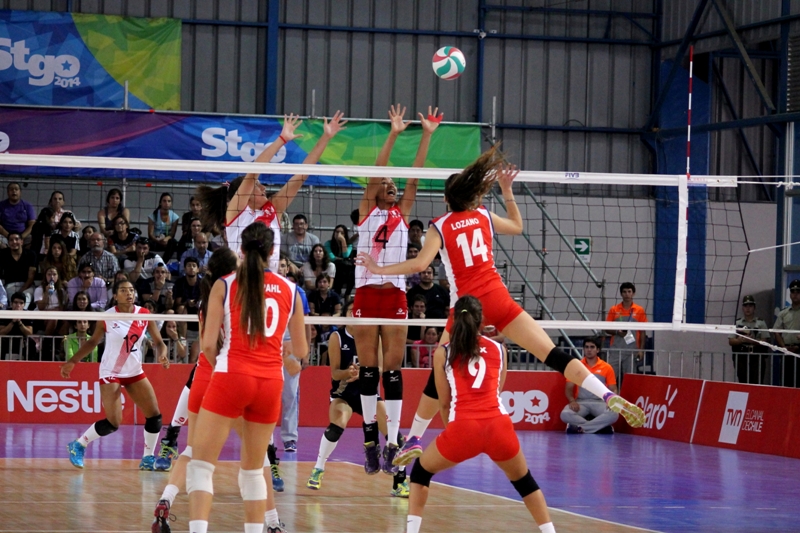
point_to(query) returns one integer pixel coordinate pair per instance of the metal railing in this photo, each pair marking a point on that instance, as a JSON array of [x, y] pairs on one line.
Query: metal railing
[[51, 348]]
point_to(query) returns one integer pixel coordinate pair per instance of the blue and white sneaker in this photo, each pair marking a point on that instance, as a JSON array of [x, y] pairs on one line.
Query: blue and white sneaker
[[148, 463], [76, 450], [277, 480], [290, 446]]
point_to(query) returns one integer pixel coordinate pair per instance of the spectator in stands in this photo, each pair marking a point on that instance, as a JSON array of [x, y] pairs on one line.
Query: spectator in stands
[[66, 230], [299, 242], [176, 343], [162, 226], [56, 203], [195, 209], [323, 301], [625, 342], [139, 265], [199, 253], [95, 288], [3, 296], [412, 280], [789, 318], [51, 295], [104, 263], [340, 251], [186, 241], [19, 329], [58, 257], [187, 301], [114, 207], [19, 267], [583, 403], [83, 243], [158, 290], [73, 341], [81, 301], [318, 263], [437, 299], [40, 234], [16, 215], [424, 348], [749, 357], [122, 241], [415, 233]]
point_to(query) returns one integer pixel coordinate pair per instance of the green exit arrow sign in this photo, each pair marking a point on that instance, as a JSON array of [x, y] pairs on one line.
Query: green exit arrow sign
[[582, 246]]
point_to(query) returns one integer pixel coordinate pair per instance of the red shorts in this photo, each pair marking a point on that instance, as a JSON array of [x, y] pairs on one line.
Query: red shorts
[[123, 381], [465, 439], [499, 310], [371, 302], [196, 394], [233, 395]]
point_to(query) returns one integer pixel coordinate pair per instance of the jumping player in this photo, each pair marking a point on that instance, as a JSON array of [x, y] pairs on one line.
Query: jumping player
[[345, 400], [236, 205], [463, 238], [383, 235], [121, 366], [254, 306], [470, 372]]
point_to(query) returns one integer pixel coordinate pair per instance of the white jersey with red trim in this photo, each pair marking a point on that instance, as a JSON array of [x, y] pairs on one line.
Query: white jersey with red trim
[[383, 234], [467, 253], [122, 356], [267, 215], [265, 360]]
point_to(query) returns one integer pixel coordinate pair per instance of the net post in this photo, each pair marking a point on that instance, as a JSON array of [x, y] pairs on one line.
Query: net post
[[679, 305]]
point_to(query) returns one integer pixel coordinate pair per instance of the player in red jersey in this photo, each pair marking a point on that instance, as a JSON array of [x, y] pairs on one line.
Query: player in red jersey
[[254, 307], [463, 238], [470, 371], [383, 234]]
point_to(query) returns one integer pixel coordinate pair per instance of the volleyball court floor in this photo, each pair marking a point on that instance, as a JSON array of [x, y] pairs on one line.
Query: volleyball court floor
[[593, 483]]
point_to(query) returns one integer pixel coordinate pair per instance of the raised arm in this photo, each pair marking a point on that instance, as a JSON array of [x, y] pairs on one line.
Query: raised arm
[[512, 225], [284, 197], [429, 125], [433, 242], [398, 126]]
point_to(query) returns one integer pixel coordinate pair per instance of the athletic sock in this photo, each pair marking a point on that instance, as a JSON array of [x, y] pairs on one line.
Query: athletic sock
[[181, 415], [595, 386], [254, 528], [150, 442], [399, 477], [371, 433], [198, 526], [419, 426], [170, 491], [326, 448], [413, 523], [271, 516], [369, 405], [547, 528], [393, 410], [89, 436]]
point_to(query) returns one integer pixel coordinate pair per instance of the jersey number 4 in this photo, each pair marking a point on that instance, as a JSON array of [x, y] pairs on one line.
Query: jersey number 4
[[477, 368], [477, 249], [381, 235]]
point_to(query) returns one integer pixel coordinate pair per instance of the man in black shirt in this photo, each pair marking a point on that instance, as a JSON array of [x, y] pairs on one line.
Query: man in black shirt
[[18, 330], [437, 299], [187, 298], [19, 268]]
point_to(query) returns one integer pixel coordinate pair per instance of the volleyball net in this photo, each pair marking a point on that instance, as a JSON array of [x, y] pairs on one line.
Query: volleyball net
[[683, 244]]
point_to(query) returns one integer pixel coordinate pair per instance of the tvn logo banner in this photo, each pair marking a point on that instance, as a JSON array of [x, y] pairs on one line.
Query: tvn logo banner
[[733, 417]]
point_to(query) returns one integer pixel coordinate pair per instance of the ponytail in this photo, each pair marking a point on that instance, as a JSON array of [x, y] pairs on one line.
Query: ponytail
[[464, 191], [257, 240], [214, 202], [467, 316]]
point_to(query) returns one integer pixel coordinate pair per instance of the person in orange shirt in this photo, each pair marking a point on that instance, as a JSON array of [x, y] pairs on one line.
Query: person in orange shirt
[[624, 341], [582, 403]]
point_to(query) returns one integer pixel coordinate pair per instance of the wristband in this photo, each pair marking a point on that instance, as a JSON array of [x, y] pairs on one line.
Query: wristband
[[435, 119], [281, 137]]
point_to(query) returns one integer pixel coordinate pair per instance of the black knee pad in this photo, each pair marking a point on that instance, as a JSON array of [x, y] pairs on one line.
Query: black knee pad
[[104, 427], [430, 388], [152, 424], [420, 476], [333, 432], [393, 384], [369, 378], [558, 359], [526, 485]]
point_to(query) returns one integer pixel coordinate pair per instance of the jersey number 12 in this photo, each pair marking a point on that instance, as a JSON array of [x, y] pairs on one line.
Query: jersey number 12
[[477, 249]]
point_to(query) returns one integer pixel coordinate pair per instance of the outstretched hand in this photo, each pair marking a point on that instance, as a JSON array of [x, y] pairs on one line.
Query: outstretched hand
[[334, 126], [396, 114], [506, 176], [432, 121], [290, 124]]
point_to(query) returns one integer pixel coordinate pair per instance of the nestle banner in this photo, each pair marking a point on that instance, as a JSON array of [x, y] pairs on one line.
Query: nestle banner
[[752, 418], [83, 60], [670, 405]]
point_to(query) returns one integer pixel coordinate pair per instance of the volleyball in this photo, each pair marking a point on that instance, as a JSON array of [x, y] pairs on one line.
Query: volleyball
[[449, 62]]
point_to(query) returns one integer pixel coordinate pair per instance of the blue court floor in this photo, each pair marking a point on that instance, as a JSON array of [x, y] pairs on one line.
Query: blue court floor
[[637, 481]]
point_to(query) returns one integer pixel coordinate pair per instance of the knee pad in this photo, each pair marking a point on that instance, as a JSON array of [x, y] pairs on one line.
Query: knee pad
[[199, 476], [187, 452], [104, 427], [333, 432], [252, 484], [393, 384], [558, 359], [420, 476], [430, 387], [525, 485], [369, 380], [152, 424]]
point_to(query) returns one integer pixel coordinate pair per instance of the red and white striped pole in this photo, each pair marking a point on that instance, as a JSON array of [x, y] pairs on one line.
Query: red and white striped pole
[[679, 304]]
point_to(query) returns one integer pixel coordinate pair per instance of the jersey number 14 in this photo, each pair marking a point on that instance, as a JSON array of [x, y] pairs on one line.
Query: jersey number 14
[[477, 249]]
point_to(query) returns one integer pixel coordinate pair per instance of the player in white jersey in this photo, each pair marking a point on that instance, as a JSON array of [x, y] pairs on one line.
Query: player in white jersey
[[121, 366], [236, 205], [383, 234]]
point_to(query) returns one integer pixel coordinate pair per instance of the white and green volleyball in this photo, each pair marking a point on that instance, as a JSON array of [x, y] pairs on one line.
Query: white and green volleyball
[[449, 62]]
